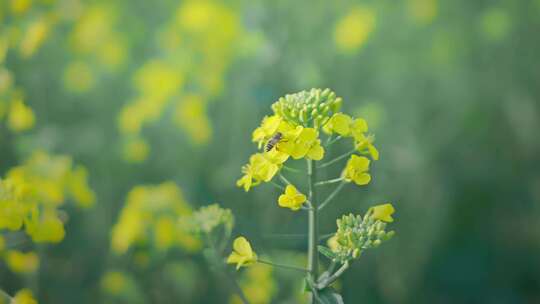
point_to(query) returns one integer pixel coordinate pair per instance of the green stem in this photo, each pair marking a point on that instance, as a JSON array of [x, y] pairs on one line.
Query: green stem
[[313, 228], [5, 295], [331, 142], [333, 277], [337, 159], [282, 266], [230, 277], [280, 187], [291, 169], [285, 180], [332, 195], [330, 181]]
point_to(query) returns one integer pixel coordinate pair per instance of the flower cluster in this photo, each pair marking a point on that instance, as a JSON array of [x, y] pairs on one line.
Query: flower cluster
[[356, 234], [209, 218], [25, 28], [297, 119], [151, 215], [32, 193]]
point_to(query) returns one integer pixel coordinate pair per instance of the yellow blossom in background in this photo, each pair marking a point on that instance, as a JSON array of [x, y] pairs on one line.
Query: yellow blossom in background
[[33, 191], [302, 142], [79, 188], [242, 254], [45, 228], [383, 212], [114, 282], [2, 244], [136, 150], [352, 31], [113, 53], [158, 80], [143, 218], [22, 262], [24, 296], [20, 116], [258, 285], [34, 36], [423, 11], [356, 170], [191, 116], [19, 7], [79, 77], [292, 198], [93, 28]]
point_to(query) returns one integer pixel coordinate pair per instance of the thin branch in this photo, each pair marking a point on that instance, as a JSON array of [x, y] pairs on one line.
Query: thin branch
[[331, 279], [285, 180], [282, 266], [332, 195], [337, 159], [330, 181], [331, 142], [291, 169], [280, 187]]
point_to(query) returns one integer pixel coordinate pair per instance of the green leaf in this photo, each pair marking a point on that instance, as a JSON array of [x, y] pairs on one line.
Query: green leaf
[[330, 296], [327, 252]]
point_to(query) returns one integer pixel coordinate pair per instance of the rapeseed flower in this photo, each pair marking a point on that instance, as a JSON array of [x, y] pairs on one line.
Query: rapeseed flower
[[242, 254], [291, 198]]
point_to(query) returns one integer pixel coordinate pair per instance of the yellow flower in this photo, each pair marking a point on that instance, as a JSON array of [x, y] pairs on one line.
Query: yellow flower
[[191, 116], [363, 142], [79, 77], [49, 228], [383, 212], [269, 127], [291, 198], [356, 170], [332, 243], [19, 7], [339, 123], [20, 117], [22, 262], [24, 296], [261, 167], [242, 253], [136, 150], [11, 214], [114, 282], [364, 145], [164, 233], [302, 142], [34, 36], [79, 188], [352, 31]]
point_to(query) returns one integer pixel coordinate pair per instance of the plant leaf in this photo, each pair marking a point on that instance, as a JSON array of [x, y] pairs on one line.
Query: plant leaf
[[327, 252]]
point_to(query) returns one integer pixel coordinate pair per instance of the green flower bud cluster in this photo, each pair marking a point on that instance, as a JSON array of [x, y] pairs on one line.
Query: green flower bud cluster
[[208, 218], [308, 108], [354, 235]]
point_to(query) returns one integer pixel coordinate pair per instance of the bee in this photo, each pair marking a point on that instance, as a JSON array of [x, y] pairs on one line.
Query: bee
[[273, 141]]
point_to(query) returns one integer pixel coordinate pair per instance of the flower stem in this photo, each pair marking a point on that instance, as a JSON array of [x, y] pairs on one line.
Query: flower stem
[[313, 229], [332, 195], [337, 159], [333, 277], [331, 141], [285, 180], [5, 295], [282, 266], [330, 181]]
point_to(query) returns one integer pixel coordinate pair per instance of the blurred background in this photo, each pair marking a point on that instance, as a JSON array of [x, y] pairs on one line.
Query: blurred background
[[150, 99]]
